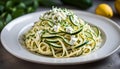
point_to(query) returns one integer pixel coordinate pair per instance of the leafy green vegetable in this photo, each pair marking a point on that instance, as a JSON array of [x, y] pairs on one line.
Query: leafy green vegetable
[[9, 4], [30, 9], [10, 9], [22, 5], [8, 18]]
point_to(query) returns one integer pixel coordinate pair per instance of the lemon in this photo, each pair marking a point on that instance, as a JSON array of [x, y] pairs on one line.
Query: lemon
[[104, 10], [117, 6]]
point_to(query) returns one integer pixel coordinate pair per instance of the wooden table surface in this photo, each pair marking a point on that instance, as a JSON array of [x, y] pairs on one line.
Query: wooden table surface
[[8, 61]]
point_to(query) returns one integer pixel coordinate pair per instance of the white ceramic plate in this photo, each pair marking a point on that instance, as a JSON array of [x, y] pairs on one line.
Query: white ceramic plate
[[10, 35]]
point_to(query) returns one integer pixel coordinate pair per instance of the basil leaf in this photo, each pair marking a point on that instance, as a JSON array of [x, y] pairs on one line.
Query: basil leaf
[[8, 18], [30, 9], [22, 5], [9, 4], [14, 9]]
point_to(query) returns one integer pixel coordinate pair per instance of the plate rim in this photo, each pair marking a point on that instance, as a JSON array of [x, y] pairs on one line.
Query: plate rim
[[114, 23]]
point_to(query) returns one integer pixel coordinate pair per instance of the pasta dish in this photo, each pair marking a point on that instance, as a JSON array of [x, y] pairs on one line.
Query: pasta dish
[[60, 33]]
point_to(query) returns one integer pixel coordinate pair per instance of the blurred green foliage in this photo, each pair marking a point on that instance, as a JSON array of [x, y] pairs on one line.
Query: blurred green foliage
[[10, 9]]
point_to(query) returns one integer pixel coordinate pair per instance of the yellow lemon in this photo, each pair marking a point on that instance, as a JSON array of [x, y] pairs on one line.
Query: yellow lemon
[[117, 6], [104, 10]]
